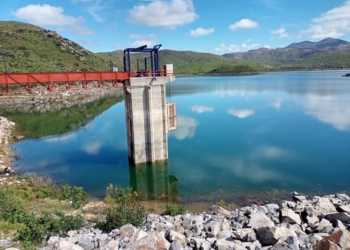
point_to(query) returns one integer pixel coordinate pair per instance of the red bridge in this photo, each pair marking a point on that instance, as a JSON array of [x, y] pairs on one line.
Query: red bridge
[[55, 80]]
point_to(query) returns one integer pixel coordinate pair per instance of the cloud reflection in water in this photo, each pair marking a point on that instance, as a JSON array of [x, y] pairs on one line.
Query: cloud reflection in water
[[186, 128], [328, 109], [201, 109], [241, 113]]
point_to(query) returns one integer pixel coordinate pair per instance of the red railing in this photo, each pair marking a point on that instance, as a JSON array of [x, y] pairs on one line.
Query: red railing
[[53, 79], [59, 77]]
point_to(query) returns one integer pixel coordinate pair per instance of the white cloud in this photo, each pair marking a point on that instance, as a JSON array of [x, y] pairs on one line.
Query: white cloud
[[164, 14], [243, 24], [241, 113], [186, 127], [328, 109], [95, 9], [281, 33], [334, 23], [236, 48], [92, 148], [202, 109], [141, 40], [201, 32], [47, 15]]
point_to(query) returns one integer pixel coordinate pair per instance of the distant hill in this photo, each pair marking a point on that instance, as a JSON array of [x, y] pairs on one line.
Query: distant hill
[[327, 53], [30, 48]]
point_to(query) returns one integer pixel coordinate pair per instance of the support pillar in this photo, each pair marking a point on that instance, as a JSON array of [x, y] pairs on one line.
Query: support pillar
[[147, 119]]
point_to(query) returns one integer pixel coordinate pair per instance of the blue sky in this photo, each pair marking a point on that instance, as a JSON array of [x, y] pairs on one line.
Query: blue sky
[[216, 27]]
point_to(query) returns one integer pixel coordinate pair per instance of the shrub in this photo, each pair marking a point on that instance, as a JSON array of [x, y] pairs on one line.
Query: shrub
[[125, 209], [76, 195], [174, 209]]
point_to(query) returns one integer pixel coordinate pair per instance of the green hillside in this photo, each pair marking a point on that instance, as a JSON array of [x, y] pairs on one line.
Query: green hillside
[[29, 48]]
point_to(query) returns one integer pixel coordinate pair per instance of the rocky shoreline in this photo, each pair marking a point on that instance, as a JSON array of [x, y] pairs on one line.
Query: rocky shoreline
[[317, 223]]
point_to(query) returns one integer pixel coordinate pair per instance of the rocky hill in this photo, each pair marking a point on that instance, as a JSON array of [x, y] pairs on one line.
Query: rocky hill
[[31, 48], [327, 53]]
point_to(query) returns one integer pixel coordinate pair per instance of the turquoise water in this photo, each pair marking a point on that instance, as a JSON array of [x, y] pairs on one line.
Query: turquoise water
[[256, 137]]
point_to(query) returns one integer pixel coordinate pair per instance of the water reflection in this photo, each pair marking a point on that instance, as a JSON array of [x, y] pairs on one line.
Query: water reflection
[[201, 109], [329, 109], [153, 182], [241, 113], [186, 128]]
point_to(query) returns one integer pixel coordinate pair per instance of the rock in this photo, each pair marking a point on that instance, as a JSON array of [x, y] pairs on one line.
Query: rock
[[289, 216], [173, 236], [342, 197], [311, 218], [66, 245], [216, 209], [154, 240], [340, 225], [224, 245], [175, 246], [343, 217], [224, 234], [138, 235], [324, 206], [272, 208], [127, 230], [326, 245], [345, 208], [338, 240], [111, 245], [325, 226], [246, 234], [270, 235], [212, 228], [258, 220]]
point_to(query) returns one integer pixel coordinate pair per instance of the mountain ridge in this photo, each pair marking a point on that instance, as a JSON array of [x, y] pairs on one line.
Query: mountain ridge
[[29, 48]]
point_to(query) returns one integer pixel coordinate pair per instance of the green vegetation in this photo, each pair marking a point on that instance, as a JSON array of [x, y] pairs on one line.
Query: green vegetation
[[233, 70], [32, 209], [30, 48], [174, 209], [124, 208]]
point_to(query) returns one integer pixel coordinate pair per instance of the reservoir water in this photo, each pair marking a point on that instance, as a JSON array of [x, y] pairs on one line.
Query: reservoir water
[[239, 139]]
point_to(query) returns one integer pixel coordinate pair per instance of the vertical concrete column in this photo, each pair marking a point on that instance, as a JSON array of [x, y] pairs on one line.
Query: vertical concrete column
[[146, 119]]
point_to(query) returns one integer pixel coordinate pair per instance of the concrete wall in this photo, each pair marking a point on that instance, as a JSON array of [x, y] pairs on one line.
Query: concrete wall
[[146, 118]]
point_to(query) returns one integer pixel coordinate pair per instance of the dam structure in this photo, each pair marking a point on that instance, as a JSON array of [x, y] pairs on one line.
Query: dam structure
[[149, 117]]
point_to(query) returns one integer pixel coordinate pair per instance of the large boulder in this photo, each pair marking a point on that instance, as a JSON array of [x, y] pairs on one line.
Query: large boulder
[[154, 241], [324, 206], [258, 220], [338, 240], [289, 216], [270, 235]]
